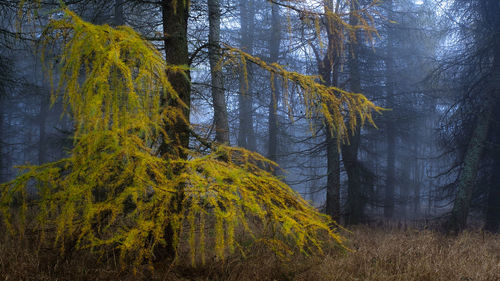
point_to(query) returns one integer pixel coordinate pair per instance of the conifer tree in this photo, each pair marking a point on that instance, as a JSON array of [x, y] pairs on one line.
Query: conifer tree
[[131, 182]]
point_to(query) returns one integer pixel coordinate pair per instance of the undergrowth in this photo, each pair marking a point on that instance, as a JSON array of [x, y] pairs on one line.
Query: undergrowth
[[376, 255]]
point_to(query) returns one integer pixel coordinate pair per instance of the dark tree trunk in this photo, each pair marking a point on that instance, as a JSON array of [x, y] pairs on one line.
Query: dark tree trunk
[[493, 204], [328, 70], [119, 18], [355, 205], [404, 190], [416, 186], [42, 137], [355, 200], [246, 134], [493, 207], [390, 133], [174, 18], [214, 55], [333, 177], [466, 181], [274, 45], [472, 158], [176, 53], [3, 171]]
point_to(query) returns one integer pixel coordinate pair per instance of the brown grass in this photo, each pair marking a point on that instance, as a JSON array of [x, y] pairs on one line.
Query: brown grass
[[376, 255]]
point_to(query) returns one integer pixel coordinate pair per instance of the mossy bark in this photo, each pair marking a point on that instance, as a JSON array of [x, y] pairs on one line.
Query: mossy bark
[[174, 18], [175, 15], [466, 181], [472, 158]]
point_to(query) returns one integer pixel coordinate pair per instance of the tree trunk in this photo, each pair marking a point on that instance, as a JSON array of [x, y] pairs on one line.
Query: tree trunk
[[3, 171], [458, 218], [246, 134], [274, 45], [174, 19], [355, 205], [493, 204], [329, 73], [416, 186], [404, 189], [42, 136], [493, 207], [472, 158], [119, 18], [333, 177], [390, 133], [214, 55]]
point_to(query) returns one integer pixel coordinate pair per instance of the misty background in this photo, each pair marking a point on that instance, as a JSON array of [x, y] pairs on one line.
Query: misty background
[[434, 65]]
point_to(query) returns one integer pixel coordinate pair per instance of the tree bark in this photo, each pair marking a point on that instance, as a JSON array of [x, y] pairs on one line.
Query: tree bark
[[333, 177], [246, 134], [329, 73], [390, 133], [493, 203], [42, 135], [465, 186], [274, 45], [214, 55], [174, 20], [355, 205], [3, 92], [458, 218], [119, 18]]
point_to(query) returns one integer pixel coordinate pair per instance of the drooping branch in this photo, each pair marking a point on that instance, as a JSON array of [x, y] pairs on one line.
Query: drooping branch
[[341, 109]]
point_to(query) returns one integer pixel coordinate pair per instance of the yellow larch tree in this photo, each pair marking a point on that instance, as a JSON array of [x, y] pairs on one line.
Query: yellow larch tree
[[118, 189]]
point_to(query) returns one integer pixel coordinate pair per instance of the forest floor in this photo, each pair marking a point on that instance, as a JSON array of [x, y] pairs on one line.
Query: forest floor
[[377, 254]]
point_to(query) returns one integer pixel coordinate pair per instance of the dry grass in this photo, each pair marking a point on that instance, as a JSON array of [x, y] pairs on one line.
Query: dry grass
[[377, 255], [413, 255]]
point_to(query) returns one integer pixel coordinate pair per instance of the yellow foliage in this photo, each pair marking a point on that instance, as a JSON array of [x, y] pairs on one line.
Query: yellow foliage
[[341, 109], [114, 190]]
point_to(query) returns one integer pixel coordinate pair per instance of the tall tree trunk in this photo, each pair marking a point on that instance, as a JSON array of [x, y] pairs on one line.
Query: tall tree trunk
[[404, 189], [493, 205], [472, 158], [458, 218], [174, 20], [390, 133], [246, 134], [328, 70], [214, 55], [274, 48], [355, 205], [333, 176]]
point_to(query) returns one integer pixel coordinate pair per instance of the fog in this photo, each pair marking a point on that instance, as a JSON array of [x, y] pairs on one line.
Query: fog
[[433, 66]]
